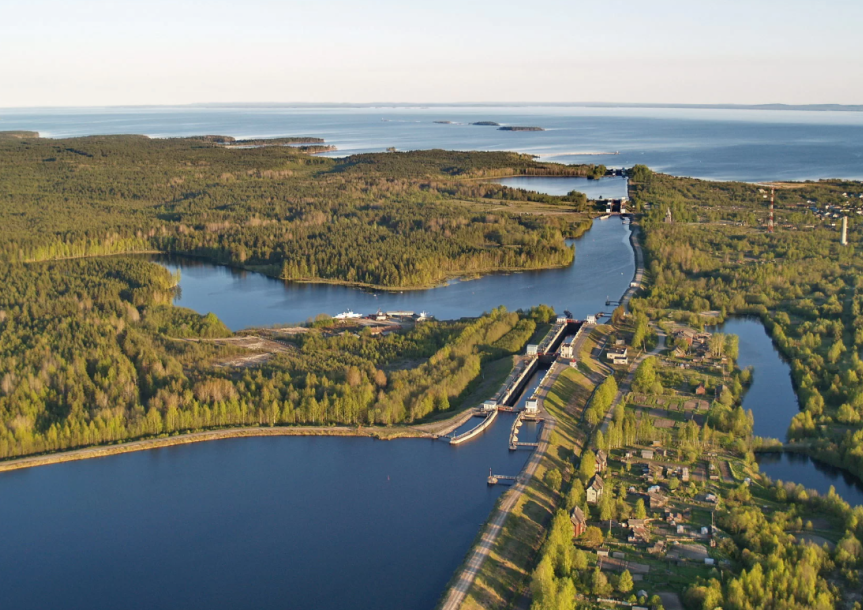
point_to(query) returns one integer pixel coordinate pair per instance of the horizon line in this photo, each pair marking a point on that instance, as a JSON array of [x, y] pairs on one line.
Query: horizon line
[[706, 106]]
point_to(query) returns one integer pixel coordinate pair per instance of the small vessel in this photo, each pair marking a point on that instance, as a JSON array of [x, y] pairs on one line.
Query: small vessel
[[347, 315]]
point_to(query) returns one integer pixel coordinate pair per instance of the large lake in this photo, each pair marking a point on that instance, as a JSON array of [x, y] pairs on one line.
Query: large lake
[[751, 145]]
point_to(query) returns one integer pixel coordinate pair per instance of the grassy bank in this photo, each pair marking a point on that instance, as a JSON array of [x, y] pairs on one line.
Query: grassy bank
[[505, 574]]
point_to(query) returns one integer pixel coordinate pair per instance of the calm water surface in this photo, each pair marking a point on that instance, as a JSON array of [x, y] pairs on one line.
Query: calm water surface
[[812, 474], [771, 396], [609, 187], [306, 522], [751, 145], [604, 266], [774, 403]]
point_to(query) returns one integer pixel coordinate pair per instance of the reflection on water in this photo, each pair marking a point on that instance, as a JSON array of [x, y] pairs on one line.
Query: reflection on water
[[812, 474], [610, 187], [774, 403], [604, 266], [303, 522], [771, 396]]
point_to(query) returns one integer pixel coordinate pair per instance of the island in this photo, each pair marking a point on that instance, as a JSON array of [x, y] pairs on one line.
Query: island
[[486, 123], [516, 128]]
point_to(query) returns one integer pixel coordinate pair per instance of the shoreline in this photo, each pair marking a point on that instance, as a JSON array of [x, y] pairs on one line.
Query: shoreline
[[465, 576], [467, 276], [99, 451]]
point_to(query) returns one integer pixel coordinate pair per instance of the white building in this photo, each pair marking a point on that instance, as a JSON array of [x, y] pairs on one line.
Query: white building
[[567, 350], [531, 407], [618, 355]]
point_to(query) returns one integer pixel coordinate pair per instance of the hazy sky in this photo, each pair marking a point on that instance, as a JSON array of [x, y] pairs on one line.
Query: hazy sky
[[109, 52]]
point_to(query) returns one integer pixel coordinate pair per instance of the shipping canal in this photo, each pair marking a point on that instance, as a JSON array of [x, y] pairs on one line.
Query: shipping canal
[[309, 522], [318, 522]]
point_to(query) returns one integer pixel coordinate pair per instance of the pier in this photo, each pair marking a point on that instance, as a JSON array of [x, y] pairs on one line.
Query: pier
[[489, 417], [494, 479]]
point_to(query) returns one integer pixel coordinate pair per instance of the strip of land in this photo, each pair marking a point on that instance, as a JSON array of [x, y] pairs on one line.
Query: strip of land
[[210, 435]]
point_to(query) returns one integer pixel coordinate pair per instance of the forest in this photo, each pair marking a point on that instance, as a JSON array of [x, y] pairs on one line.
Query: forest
[[92, 351], [717, 255], [389, 220]]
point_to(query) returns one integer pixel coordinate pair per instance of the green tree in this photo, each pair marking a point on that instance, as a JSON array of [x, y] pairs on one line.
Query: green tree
[[587, 467], [624, 583], [599, 583], [575, 496], [645, 376], [640, 511], [553, 479], [592, 536]]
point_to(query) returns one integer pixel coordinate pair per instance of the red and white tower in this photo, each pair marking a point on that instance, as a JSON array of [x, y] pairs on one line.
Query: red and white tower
[[770, 217]]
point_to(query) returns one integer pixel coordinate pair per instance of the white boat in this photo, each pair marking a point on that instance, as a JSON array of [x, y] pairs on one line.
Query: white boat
[[347, 315]]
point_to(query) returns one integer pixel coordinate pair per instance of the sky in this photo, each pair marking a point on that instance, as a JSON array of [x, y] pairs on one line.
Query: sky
[[125, 52]]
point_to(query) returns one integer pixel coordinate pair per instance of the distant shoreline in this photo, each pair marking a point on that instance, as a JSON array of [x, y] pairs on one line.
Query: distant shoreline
[[773, 106]]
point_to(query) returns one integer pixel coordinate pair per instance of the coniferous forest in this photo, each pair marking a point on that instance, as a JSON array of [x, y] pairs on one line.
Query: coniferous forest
[[93, 351]]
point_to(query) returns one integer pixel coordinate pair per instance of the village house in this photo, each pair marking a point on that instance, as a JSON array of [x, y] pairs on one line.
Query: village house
[[594, 490], [687, 334], [638, 531], [657, 500], [700, 390], [601, 461], [647, 454], [578, 520], [684, 474]]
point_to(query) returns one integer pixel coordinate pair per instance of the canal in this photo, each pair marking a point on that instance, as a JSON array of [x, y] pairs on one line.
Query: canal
[[604, 266], [306, 522]]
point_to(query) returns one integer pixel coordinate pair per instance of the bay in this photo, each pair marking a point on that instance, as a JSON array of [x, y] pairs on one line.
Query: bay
[[604, 265], [719, 144]]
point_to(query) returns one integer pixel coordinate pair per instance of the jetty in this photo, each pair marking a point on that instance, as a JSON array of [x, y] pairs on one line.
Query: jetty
[[488, 418], [494, 479]]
